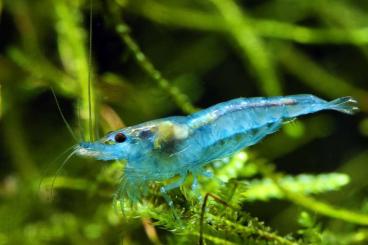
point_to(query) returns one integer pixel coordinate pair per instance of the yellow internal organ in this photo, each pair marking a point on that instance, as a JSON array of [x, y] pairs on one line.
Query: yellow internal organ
[[168, 131]]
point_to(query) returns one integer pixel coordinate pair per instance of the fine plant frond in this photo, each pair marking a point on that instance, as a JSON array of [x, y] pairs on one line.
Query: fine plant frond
[[266, 189]]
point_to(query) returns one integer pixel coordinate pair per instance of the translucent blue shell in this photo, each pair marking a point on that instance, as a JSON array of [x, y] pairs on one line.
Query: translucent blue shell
[[160, 149]]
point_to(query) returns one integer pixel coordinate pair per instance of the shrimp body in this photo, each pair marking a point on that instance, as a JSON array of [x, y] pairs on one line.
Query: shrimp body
[[163, 148]]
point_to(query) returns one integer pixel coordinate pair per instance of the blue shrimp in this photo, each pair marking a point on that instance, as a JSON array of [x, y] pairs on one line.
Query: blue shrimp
[[176, 146]]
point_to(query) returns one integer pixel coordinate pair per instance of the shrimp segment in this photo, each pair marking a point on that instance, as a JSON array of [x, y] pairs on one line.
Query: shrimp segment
[[163, 148], [230, 126]]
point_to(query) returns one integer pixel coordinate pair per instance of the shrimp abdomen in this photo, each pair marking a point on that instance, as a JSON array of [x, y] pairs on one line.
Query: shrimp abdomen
[[238, 123], [306, 104], [254, 112]]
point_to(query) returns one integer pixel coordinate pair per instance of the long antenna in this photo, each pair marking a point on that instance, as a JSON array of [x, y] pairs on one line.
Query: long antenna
[[90, 74], [63, 117]]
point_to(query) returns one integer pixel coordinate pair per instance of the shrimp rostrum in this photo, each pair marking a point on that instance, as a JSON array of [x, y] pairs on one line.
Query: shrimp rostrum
[[176, 146]]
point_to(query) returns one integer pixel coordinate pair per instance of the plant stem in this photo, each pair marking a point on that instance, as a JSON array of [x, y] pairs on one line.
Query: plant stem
[[180, 98]]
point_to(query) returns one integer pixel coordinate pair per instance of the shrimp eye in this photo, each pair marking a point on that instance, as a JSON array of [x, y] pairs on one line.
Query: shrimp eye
[[120, 137]]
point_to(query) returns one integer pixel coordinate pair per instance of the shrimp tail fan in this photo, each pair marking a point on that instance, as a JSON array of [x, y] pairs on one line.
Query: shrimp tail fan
[[347, 105]]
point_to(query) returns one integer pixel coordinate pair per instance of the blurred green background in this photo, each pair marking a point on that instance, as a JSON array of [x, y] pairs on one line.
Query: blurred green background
[[151, 59]]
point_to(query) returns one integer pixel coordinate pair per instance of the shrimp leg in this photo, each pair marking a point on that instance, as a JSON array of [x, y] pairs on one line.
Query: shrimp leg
[[196, 185], [171, 186]]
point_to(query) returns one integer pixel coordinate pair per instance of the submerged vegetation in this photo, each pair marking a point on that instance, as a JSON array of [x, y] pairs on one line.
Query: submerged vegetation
[[306, 184]]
